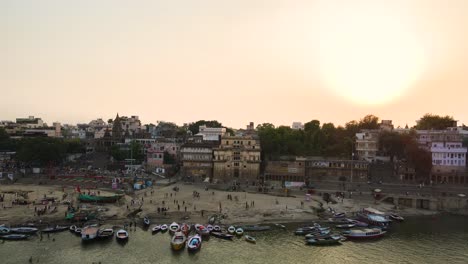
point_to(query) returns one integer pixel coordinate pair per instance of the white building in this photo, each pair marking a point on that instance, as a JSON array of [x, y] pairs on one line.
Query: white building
[[211, 133], [132, 124], [297, 126], [449, 154], [30, 122], [367, 145]]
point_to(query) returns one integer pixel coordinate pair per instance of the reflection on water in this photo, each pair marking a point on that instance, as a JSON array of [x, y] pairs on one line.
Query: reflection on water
[[441, 239]]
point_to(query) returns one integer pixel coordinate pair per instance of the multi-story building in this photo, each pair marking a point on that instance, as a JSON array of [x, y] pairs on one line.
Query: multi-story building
[[237, 159], [285, 170], [319, 169], [131, 124], [297, 126], [367, 144], [197, 159], [211, 133], [30, 122]]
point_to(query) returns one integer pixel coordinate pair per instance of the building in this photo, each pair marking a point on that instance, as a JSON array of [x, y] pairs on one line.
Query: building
[[285, 170], [132, 124], [297, 126], [30, 122], [197, 159], [237, 159], [386, 125], [318, 169], [211, 133], [367, 144]]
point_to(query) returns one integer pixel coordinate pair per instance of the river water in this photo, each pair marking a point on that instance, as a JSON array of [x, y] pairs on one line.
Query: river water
[[439, 239]]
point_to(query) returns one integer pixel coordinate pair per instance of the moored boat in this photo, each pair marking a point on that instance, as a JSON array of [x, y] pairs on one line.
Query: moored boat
[[185, 228], [156, 228], [55, 229], [345, 226], [194, 243], [239, 231], [251, 228], [209, 227], [23, 230], [310, 230], [89, 233], [121, 235], [222, 235], [280, 226], [146, 221], [78, 231], [319, 234], [178, 241], [14, 237], [368, 233], [72, 228], [216, 228], [231, 230], [339, 215], [164, 228], [99, 199], [174, 227], [4, 230], [105, 233], [250, 239], [359, 223], [325, 241], [202, 231], [396, 217]]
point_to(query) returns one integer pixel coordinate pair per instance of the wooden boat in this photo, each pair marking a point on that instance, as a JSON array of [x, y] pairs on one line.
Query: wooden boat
[[359, 223], [209, 227], [396, 217], [194, 243], [121, 235], [339, 215], [23, 230], [105, 233], [216, 228], [202, 231], [99, 199], [4, 230], [231, 230], [156, 228], [146, 221], [345, 226], [222, 235], [250, 239], [178, 241], [374, 219], [14, 237], [72, 228], [239, 231], [89, 233], [55, 229], [164, 228], [251, 228], [319, 234], [368, 233], [280, 226], [310, 230], [212, 220], [174, 227], [78, 231], [325, 241], [185, 228]]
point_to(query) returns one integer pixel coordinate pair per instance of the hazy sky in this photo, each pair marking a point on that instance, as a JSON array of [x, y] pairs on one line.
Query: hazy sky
[[234, 61]]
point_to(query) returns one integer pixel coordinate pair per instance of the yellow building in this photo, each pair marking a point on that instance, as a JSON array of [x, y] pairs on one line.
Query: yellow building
[[237, 159]]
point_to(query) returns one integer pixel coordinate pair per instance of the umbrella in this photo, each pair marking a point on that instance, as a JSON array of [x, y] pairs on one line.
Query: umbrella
[[461, 195], [377, 190]]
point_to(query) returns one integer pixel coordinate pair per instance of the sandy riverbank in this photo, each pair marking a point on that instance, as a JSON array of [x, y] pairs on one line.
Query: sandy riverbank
[[262, 208]]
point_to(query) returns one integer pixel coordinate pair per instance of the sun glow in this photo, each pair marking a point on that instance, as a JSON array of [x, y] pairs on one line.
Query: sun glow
[[367, 53]]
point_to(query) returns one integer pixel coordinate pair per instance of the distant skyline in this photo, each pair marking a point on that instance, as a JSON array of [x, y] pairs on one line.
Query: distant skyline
[[234, 61]]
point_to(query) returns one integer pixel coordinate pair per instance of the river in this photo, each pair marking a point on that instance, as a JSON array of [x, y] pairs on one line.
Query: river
[[438, 239]]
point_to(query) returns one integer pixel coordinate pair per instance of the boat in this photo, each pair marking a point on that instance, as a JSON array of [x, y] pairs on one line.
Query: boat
[[209, 227], [374, 219], [359, 223], [364, 233], [203, 231], [164, 228], [340, 221], [239, 231], [4, 230], [121, 235], [105, 233], [14, 237], [250, 239], [23, 230], [396, 217], [280, 226], [174, 227], [212, 220], [309, 230], [78, 231], [99, 199], [89, 233], [319, 234], [72, 228], [325, 241], [231, 230], [216, 228], [339, 215], [222, 235], [194, 243], [156, 228], [251, 228], [55, 229], [178, 241], [185, 228], [146, 221], [196, 226], [345, 226]]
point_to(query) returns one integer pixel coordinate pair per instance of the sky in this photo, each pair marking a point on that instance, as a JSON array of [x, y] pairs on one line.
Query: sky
[[234, 61]]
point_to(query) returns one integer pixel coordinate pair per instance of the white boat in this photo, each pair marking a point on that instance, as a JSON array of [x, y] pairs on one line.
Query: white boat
[[231, 230], [89, 233], [174, 227], [106, 233], [209, 227], [239, 231], [4, 230], [250, 239], [121, 235], [164, 228], [194, 243], [72, 228], [217, 228], [178, 241], [23, 230], [364, 233], [156, 228], [280, 226], [146, 221], [396, 217]]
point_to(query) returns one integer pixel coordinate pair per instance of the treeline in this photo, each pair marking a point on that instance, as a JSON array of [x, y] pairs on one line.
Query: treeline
[[40, 150]]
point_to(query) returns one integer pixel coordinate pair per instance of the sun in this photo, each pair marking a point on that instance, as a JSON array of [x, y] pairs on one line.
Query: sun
[[367, 53]]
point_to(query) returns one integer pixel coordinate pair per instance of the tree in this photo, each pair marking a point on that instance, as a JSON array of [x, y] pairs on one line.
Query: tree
[[313, 125], [430, 121], [392, 144], [421, 159], [369, 122], [110, 121], [169, 159], [41, 151], [6, 143]]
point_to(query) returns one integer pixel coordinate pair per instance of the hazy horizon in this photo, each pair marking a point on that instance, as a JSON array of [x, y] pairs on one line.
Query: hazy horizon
[[235, 62]]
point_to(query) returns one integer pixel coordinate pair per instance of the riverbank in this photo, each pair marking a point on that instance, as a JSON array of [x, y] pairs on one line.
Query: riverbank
[[190, 203]]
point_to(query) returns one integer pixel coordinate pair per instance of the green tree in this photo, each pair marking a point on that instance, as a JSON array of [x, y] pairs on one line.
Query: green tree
[[169, 159], [369, 122], [436, 122], [6, 143], [41, 151]]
